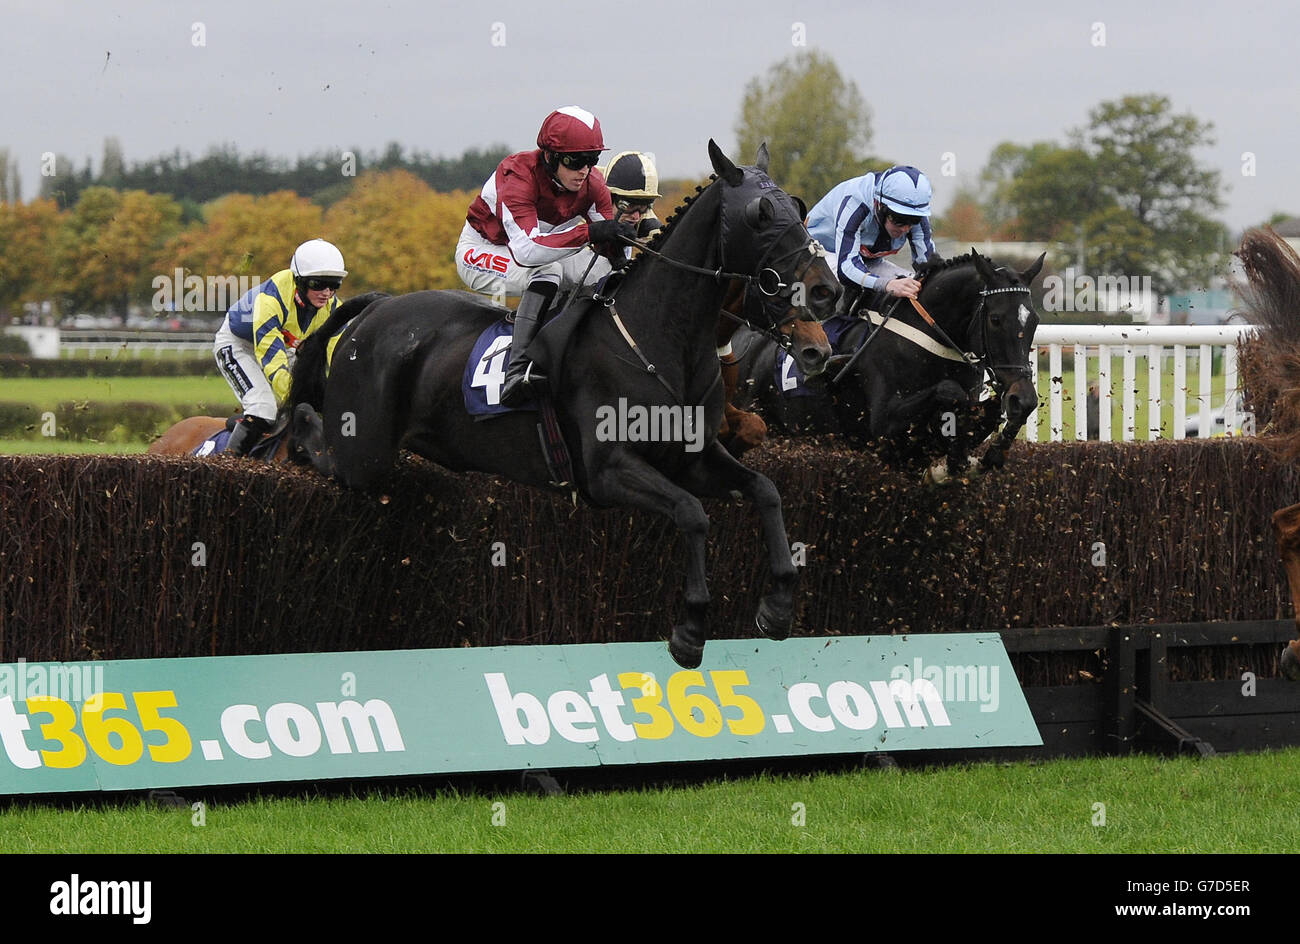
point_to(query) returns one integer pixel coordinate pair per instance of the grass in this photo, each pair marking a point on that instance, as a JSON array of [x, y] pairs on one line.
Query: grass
[[1240, 803], [1191, 392]]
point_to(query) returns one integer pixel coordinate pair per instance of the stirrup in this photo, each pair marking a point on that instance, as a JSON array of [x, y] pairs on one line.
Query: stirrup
[[523, 387]]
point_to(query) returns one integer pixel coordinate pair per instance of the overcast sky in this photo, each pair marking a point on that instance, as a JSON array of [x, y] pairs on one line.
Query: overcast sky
[[293, 77]]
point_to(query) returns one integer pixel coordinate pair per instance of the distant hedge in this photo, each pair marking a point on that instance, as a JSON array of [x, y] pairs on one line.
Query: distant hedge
[[14, 366], [132, 557]]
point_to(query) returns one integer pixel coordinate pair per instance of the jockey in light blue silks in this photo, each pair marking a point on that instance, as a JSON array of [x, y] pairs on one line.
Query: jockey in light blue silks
[[865, 219]]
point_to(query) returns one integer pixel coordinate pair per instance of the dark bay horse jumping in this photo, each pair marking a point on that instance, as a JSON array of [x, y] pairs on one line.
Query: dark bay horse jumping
[[395, 382], [915, 386]]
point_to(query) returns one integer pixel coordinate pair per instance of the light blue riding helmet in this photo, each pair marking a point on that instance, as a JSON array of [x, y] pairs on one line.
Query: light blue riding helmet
[[905, 190]]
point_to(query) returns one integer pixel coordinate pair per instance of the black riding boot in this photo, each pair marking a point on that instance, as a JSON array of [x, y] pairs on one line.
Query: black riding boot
[[522, 380], [847, 299], [247, 433]]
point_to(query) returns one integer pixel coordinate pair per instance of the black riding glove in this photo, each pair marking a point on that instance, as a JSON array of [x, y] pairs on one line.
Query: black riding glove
[[609, 231]]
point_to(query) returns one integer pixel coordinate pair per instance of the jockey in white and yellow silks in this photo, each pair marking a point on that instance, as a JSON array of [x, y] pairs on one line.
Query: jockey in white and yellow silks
[[255, 344]]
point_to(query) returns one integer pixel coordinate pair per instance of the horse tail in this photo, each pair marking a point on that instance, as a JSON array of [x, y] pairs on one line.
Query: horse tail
[[1271, 360], [308, 379]]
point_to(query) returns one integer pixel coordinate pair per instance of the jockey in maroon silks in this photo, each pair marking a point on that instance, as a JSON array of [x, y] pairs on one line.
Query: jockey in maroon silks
[[526, 233]]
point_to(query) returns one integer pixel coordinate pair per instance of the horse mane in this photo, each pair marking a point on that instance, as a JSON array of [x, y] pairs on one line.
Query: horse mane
[[1270, 362], [932, 266], [657, 240]]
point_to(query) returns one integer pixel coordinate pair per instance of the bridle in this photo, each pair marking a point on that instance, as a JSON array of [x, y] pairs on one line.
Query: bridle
[[766, 279], [993, 372]]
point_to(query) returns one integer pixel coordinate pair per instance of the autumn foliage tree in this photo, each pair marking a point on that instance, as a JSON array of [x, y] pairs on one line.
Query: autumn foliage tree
[[397, 234], [103, 250], [243, 235], [26, 233]]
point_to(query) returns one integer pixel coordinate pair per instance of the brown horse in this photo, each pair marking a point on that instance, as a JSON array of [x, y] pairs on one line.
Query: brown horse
[[807, 344], [1272, 298], [190, 433]]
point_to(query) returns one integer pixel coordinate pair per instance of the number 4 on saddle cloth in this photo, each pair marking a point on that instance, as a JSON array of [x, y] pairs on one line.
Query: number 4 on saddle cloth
[[485, 374]]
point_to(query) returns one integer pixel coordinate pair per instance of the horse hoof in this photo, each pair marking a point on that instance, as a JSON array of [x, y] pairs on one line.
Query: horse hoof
[[684, 653], [1290, 663], [774, 621]]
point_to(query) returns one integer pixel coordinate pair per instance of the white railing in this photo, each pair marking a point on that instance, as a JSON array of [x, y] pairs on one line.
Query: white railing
[[1160, 345], [133, 343]]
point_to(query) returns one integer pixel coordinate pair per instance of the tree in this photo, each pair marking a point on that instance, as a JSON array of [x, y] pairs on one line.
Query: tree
[[816, 125], [113, 166], [1127, 190], [11, 186], [397, 234], [26, 231], [1145, 163], [965, 220], [103, 249], [244, 236], [64, 185]]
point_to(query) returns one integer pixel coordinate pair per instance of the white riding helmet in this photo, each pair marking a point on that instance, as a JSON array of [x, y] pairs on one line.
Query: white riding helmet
[[316, 257]]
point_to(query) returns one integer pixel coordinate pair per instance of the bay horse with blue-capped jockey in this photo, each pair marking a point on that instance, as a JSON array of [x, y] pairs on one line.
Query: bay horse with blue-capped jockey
[[395, 381]]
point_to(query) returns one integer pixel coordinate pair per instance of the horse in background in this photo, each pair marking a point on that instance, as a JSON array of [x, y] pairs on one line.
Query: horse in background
[[1271, 297], [797, 332], [911, 382], [186, 438]]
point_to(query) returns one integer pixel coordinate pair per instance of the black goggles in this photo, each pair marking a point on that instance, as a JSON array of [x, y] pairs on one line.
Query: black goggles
[[315, 284], [902, 220], [576, 160], [634, 206]]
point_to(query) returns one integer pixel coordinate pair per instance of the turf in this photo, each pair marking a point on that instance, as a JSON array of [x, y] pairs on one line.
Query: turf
[[48, 392], [1231, 803]]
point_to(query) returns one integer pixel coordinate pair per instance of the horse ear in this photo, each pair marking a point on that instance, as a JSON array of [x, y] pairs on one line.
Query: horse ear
[[763, 157], [723, 166], [1031, 273], [983, 267]]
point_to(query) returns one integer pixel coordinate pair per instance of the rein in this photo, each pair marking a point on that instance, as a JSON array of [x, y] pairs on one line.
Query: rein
[[767, 281], [980, 360]]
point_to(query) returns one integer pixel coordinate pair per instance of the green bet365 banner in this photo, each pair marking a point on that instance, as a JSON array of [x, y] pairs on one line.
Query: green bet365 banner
[[145, 724]]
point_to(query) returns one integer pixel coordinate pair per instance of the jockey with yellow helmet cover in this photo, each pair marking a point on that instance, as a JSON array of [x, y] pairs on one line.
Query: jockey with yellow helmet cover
[[633, 183], [526, 232], [255, 344]]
